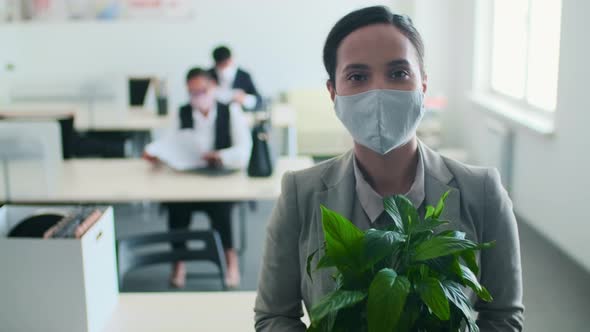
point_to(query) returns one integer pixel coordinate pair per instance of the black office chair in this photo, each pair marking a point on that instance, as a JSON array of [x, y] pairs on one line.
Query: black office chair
[[129, 258]]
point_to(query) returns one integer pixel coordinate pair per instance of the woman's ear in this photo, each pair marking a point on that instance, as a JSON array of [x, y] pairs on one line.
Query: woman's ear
[[424, 83], [331, 89]]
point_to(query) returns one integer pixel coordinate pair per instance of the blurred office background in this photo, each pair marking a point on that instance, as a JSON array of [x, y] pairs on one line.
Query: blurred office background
[[507, 87]]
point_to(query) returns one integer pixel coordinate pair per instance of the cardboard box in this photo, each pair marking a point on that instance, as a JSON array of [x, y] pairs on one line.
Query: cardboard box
[[56, 285]]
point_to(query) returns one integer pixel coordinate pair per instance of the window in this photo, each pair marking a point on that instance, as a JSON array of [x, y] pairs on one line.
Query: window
[[525, 51]]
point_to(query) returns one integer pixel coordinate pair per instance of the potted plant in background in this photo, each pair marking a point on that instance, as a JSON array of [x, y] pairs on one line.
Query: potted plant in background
[[407, 277]]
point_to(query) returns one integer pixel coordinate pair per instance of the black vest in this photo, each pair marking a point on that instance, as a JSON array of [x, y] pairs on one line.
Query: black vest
[[222, 124]]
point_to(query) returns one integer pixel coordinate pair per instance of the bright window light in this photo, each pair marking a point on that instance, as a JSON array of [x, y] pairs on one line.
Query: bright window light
[[525, 50]]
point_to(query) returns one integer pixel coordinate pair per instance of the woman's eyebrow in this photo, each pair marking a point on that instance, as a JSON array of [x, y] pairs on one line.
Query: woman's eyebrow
[[355, 66], [398, 62]]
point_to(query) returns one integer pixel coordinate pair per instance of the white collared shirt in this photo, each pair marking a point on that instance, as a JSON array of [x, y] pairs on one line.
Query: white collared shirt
[[236, 156], [203, 135], [372, 202]]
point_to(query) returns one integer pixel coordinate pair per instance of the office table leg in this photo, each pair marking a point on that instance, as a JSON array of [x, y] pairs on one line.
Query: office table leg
[[6, 174], [242, 206]]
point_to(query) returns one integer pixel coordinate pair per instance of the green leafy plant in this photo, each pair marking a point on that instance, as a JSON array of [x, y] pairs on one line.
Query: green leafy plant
[[405, 277]]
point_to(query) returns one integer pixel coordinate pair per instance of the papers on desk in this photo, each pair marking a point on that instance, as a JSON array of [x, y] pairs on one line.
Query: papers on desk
[[179, 149]]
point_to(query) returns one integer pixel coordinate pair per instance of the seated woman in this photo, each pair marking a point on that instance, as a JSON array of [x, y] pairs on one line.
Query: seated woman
[[223, 133], [375, 64]]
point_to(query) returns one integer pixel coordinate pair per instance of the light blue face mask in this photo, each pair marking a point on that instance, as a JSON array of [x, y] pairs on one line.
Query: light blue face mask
[[381, 120]]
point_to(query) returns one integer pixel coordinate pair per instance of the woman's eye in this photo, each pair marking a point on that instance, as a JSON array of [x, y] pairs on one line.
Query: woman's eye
[[357, 77], [400, 74]]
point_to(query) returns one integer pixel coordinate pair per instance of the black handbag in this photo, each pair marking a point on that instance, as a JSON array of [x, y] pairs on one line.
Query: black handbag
[[260, 164]]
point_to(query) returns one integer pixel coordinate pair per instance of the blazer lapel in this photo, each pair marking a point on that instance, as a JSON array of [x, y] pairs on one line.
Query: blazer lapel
[[338, 195], [437, 178]]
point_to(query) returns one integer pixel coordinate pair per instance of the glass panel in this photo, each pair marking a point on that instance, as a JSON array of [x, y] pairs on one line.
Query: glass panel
[[543, 62], [509, 47]]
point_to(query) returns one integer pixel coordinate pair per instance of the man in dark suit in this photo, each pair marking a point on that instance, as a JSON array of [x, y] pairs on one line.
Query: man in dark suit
[[234, 84]]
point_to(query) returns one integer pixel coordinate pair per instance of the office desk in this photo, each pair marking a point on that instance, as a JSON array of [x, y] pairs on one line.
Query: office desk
[[178, 312], [131, 119], [140, 121], [98, 119], [135, 180], [132, 180]]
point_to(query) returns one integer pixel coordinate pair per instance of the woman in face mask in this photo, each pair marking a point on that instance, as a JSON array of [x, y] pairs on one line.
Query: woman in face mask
[[375, 64]]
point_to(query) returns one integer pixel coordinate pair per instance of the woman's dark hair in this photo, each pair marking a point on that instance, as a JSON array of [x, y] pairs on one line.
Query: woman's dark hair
[[196, 72], [362, 18], [221, 54]]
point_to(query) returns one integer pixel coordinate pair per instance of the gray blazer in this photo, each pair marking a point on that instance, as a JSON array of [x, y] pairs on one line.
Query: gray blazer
[[477, 205]]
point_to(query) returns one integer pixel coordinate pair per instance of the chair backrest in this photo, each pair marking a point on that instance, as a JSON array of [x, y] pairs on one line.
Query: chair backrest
[[32, 157], [319, 131], [129, 257], [64, 119]]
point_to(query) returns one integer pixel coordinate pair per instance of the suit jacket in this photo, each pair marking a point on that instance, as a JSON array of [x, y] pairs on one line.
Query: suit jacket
[[243, 81], [477, 205]]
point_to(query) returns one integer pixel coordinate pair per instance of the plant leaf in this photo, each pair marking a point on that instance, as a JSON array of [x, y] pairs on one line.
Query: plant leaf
[[402, 211], [387, 298], [420, 237], [432, 293], [455, 294], [333, 302], [451, 233], [379, 244], [338, 279], [429, 212], [440, 206], [428, 225], [446, 265], [456, 319], [469, 259], [308, 266], [325, 261], [441, 246], [471, 280], [486, 245], [343, 239], [324, 325], [390, 206], [423, 271], [409, 214], [410, 314]]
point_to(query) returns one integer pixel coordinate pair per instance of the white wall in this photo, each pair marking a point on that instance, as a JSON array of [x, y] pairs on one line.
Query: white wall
[[551, 174], [279, 42]]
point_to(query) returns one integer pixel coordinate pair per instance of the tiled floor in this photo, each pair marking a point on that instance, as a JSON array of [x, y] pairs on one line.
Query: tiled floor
[[557, 291]]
